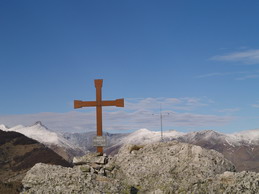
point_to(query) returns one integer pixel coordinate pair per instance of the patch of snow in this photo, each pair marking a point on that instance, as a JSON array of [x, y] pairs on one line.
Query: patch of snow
[[229, 143], [3, 127], [144, 136], [248, 137]]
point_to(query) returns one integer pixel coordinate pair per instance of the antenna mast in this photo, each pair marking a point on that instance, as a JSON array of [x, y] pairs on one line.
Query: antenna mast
[[161, 122]]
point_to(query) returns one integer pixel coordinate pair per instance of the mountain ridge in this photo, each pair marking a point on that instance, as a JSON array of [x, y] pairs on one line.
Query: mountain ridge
[[241, 148]]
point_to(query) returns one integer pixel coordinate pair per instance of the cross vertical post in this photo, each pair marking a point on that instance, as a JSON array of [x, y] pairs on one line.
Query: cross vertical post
[[98, 85]]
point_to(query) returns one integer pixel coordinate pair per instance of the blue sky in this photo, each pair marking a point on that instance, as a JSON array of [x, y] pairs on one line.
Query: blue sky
[[198, 59]]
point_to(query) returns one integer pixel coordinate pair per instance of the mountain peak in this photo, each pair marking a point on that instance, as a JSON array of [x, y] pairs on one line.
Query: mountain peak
[[207, 133], [143, 130], [39, 123], [3, 127]]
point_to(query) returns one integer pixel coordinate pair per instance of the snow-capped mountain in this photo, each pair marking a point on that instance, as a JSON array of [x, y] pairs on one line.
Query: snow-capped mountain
[[249, 137], [241, 148], [115, 141], [51, 139], [144, 136], [205, 137], [41, 133]]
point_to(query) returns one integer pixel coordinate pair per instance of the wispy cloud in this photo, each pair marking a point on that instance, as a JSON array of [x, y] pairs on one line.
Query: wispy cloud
[[229, 110], [242, 57], [251, 76], [138, 113], [255, 105], [186, 103], [219, 74], [236, 75], [246, 57]]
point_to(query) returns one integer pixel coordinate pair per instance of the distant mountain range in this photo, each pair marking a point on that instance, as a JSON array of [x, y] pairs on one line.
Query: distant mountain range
[[241, 148]]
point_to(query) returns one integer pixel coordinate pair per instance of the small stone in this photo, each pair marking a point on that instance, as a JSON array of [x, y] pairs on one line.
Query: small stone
[[79, 161], [92, 171], [108, 174], [102, 178], [102, 160], [86, 159], [102, 172], [85, 168], [96, 166], [109, 167]]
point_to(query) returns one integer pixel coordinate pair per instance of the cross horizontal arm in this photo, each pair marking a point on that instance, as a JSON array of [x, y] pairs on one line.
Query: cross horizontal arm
[[80, 104], [117, 102]]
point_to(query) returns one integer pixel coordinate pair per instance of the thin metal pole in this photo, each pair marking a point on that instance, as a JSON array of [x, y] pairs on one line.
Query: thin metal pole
[[161, 122]]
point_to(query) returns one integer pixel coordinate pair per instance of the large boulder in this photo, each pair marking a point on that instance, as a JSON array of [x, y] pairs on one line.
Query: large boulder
[[171, 165]]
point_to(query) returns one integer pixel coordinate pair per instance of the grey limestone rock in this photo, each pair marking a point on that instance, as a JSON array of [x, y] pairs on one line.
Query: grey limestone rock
[[86, 159], [166, 167], [85, 168], [231, 182], [51, 179]]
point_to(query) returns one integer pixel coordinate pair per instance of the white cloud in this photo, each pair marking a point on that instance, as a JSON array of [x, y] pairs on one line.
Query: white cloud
[[200, 120], [246, 57], [138, 113], [252, 76], [186, 103], [239, 75], [218, 74]]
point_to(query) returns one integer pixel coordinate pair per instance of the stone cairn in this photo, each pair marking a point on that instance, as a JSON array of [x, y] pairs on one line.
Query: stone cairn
[[95, 163]]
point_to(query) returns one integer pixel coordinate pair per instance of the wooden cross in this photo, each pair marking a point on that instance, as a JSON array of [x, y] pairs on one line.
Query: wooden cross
[[99, 104]]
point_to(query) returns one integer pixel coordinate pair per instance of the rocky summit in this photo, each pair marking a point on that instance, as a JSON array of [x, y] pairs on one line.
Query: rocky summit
[[165, 167]]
